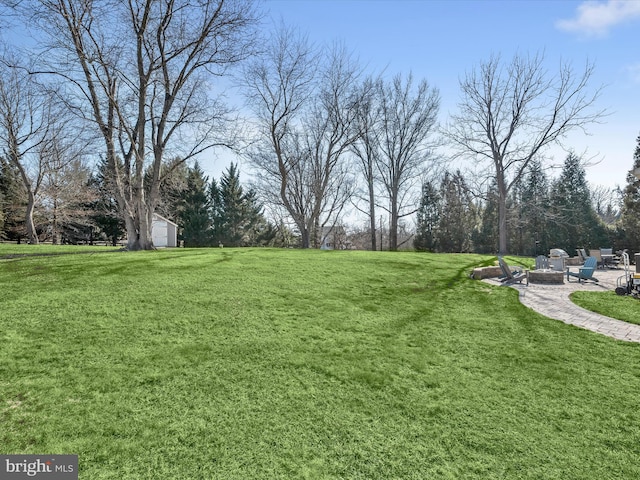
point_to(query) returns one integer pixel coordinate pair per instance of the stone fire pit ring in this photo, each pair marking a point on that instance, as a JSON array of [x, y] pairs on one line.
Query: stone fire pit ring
[[546, 276]]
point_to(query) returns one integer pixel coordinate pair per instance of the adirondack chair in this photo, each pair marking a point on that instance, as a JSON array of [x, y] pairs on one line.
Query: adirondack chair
[[508, 276], [582, 253], [542, 262], [585, 272]]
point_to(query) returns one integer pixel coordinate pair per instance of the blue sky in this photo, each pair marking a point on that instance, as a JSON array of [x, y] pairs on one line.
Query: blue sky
[[441, 40]]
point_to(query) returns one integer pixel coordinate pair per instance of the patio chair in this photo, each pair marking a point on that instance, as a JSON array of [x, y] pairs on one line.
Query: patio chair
[[542, 262], [582, 253], [510, 277], [585, 272], [596, 253]]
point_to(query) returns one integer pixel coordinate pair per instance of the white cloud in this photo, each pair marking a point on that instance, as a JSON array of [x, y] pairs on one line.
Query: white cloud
[[595, 18]]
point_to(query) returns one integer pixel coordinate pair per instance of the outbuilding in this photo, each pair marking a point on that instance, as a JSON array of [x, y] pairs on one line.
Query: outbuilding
[[164, 232]]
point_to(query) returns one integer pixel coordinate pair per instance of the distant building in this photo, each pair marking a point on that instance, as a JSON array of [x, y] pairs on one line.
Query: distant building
[[334, 238], [164, 232]]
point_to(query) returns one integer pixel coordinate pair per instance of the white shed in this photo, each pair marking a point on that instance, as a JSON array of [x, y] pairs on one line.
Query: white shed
[[164, 232]]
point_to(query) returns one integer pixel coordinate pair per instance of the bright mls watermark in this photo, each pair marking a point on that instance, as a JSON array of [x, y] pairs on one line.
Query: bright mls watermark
[[46, 467]]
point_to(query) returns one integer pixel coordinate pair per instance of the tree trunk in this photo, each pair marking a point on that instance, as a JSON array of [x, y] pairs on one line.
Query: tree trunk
[[316, 233], [54, 223], [393, 233], [305, 238], [139, 235], [32, 235], [132, 233], [372, 217], [393, 226], [502, 215]]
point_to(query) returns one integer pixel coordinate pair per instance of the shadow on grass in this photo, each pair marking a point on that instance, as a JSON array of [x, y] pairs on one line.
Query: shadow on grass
[[14, 256]]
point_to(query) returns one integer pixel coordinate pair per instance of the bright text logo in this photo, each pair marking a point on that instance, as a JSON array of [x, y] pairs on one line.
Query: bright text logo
[[46, 467]]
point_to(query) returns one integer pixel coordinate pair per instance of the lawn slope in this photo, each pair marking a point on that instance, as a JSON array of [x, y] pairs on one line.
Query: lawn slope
[[258, 363]]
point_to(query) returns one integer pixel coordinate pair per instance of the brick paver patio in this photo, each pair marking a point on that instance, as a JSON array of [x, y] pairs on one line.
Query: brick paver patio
[[553, 301]]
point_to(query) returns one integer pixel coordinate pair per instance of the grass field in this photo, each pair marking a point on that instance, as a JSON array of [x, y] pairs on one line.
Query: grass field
[[12, 250], [268, 364], [625, 308]]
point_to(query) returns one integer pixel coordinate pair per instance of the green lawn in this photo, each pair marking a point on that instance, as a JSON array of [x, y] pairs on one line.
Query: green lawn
[[626, 308], [267, 364], [14, 250]]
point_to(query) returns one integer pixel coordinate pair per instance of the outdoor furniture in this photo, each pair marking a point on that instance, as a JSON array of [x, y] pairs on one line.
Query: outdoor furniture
[[608, 257], [557, 263], [542, 262], [596, 253], [582, 253], [573, 261], [585, 272], [510, 277]]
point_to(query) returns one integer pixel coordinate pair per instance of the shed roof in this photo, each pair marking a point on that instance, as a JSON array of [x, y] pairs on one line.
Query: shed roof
[[160, 217]]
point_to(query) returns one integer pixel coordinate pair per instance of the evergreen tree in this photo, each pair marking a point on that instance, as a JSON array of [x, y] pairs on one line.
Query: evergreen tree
[[105, 216], [457, 216], [485, 237], [427, 219], [516, 234], [13, 202], [534, 206], [630, 215], [237, 216], [194, 210], [576, 222], [172, 188]]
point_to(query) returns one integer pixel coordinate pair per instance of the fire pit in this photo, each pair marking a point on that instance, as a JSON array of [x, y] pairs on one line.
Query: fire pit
[[546, 276]]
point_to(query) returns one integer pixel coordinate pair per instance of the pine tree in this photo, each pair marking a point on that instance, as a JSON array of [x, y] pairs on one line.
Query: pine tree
[[427, 219], [105, 216], [172, 188], [576, 222], [630, 216], [516, 234], [194, 211], [13, 203], [485, 237], [237, 216], [457, 216], [534, 204]]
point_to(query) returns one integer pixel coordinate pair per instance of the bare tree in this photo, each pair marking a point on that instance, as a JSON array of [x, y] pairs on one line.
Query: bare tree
[[607, 203], [405, 147], [306, 118], [140, 69], [29, 127], [277, 86], [365, 149], [65, 191], [510, 115]]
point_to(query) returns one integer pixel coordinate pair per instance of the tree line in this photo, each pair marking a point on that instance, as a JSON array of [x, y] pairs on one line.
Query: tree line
[[125, 100], [543, 213], [83, 209]]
